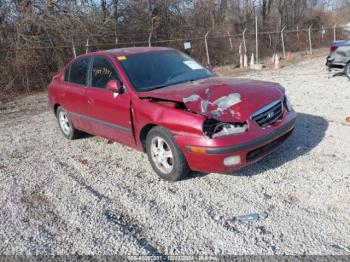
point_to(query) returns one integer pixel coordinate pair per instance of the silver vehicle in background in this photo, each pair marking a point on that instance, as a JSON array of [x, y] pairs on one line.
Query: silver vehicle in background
[[339, 57]]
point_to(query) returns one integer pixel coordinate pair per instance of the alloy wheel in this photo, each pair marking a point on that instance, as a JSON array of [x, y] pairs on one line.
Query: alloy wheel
[[161, 155], [64, 122]]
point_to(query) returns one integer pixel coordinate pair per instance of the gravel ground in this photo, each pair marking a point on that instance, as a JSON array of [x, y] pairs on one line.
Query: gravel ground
[[90, 197]]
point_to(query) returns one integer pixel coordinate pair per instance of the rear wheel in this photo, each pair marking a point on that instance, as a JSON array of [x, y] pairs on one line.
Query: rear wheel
[[66, 125], [165, 156], [347, 70]]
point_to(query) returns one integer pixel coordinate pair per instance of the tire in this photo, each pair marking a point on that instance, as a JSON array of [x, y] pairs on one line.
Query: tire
[[347, 70], [165, 156], [66, 125]]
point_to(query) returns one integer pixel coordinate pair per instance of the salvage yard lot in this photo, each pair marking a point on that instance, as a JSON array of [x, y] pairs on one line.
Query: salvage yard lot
[[91, 197]]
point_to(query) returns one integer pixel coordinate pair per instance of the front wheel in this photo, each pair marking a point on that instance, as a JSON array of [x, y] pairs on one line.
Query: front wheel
[[347, 70], [165, 156]]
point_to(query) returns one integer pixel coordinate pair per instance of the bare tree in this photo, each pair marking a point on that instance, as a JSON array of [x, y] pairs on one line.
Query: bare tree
[[36, 35]]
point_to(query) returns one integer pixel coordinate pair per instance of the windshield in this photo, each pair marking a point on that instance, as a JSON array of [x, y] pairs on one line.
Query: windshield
[[159, 69]]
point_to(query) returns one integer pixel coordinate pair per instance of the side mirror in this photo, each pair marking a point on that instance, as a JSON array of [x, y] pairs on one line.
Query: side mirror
[[115, 86]]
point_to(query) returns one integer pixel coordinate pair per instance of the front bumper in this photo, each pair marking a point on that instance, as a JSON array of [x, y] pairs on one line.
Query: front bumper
[[249, 151]]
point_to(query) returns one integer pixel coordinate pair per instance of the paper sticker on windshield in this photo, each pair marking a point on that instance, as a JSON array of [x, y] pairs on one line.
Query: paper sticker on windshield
[[193, 65], [121, 58]]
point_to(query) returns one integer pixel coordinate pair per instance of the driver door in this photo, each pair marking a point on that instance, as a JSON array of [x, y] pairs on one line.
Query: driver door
[[109, 113]]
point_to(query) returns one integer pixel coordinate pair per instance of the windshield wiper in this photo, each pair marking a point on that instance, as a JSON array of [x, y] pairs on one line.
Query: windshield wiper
[[155, 87], [176, 83]]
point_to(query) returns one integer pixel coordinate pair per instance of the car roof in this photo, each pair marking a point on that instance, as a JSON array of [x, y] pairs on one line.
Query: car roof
[[122, 52], [130, 51]]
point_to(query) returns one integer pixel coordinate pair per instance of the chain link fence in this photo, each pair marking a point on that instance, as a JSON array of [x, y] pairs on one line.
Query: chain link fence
[[33, 65]]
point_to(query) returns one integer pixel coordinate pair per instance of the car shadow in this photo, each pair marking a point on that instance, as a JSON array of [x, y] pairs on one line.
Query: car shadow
[[339, 74], [309, 132], [85, 135]]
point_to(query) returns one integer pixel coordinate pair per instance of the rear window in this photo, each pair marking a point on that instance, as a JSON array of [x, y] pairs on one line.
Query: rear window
[[78, 71]]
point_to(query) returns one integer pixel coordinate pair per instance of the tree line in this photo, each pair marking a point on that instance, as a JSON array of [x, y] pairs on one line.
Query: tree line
[[37, 36]]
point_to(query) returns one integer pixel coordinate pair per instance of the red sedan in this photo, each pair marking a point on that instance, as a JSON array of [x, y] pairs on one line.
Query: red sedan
[[161, 101]]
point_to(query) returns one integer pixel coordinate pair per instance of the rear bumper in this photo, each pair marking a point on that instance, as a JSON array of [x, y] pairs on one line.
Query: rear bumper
[[335, 65], [335, 62], [249, 152]]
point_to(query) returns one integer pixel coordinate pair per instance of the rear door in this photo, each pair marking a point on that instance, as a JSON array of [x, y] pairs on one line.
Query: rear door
[[73, 92], [109, 113]]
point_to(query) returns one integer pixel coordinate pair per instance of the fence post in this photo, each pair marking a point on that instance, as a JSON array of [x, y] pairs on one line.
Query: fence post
[[298, 33], [310, 40], [256, 39], [283, 47], [240, 56], [335, 32], [149, 40], [206, 47], [229, 39], [116, 41], [323, 32], [244, 45], [151, 32], [73, 48], [245, 57], [87, 46], [270, 40]]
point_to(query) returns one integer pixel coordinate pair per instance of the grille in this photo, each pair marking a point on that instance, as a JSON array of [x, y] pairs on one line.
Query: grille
[[268, 114], [261, 151]]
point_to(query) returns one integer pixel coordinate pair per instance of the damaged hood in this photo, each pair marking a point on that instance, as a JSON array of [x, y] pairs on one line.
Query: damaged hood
[[220, 98]]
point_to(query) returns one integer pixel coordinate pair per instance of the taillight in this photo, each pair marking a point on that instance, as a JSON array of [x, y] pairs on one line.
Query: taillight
[[334, 48]]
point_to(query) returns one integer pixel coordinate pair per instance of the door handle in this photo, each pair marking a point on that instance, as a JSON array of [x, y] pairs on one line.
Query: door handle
[[81, 92], [91, 101]]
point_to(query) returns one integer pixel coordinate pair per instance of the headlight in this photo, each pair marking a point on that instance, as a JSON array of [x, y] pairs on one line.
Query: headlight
[[214, 129], [288, 104]]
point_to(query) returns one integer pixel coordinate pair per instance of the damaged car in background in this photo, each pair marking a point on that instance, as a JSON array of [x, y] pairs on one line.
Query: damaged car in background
[[339, 57], [162, 102]]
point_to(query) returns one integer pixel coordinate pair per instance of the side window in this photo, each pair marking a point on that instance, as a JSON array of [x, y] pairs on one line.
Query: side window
[[102, 72], [78, 71]]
